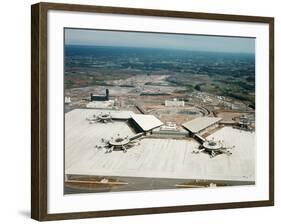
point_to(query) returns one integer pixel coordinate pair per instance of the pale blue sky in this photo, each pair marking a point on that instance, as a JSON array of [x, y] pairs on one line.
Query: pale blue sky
[[154, 40]]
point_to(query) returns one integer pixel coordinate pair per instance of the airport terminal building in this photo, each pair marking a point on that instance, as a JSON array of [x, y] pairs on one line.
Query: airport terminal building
[[151, 157]]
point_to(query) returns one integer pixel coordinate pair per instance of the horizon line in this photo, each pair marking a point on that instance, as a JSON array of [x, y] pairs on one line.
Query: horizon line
[[173, 49]]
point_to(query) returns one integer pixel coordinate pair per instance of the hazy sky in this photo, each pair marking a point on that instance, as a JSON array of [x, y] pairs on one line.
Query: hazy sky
[[153, 40]]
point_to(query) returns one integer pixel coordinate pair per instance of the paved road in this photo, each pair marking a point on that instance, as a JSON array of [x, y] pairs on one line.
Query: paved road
[[137, 184]]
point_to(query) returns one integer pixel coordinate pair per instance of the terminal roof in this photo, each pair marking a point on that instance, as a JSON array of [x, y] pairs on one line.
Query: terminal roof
[[146, 122], [198, 124]]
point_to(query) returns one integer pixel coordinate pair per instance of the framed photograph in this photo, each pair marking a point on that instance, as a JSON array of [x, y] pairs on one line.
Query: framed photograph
[[140, 111]]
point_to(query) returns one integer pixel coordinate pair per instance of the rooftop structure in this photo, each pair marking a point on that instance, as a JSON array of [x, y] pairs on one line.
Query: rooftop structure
[[120, 142], [199, 124], [245, 123], [103, 117], [214, 148], [146, 122], [90, 114]]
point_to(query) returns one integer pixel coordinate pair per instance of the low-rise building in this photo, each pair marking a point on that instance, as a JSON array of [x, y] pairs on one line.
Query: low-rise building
[[174, 103]]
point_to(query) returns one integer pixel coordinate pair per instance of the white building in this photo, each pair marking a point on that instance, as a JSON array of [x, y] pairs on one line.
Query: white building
[[174, 103], [169, 126], [67, 100]]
